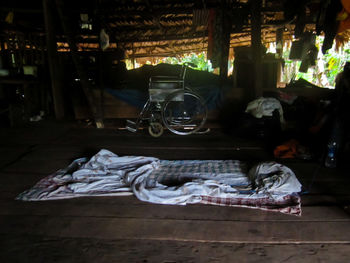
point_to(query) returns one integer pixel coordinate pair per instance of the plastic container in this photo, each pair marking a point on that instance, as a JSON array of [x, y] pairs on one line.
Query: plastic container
[[331, 158]]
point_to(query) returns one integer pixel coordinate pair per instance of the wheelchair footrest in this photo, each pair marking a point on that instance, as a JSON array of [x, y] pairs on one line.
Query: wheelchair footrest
[[131, 126]]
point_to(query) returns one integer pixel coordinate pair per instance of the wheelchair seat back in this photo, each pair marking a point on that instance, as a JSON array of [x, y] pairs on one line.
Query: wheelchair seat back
[[160, 87]]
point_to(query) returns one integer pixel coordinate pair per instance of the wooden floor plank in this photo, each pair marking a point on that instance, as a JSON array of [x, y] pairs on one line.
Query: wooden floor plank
[[50, 249], [11, 153], [167, 153], [325, 200], [33, 134], [179, 230], [23, 167], [130, 207], [107, 229]]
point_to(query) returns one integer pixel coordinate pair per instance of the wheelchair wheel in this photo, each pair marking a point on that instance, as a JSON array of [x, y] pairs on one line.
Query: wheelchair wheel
[[184, 112], [155, 129]]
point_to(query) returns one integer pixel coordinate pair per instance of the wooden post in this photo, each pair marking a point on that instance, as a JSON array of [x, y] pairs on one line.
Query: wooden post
[[256, 46], [279, 42], [100, 107], [225, 50], [44, 79], [56, 82], [2, 51], [2, 44], [133, 56], [279, 52], [86, 85]]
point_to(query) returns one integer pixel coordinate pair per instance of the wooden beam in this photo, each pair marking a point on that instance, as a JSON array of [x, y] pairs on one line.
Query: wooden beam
[[56, 81], [256, 47], [155, 16], [35, 11], [159, 11], [146, 18], [137, 36]]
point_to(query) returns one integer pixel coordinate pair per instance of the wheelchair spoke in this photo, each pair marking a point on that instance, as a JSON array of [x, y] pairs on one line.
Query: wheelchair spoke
[[184, 116]]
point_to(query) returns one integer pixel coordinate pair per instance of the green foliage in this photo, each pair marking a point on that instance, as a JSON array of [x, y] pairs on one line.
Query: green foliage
[[326, 69], [198, 59], [334, 62]]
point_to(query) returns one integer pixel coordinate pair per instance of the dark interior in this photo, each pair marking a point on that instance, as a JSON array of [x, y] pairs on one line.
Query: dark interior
[[66, 93]]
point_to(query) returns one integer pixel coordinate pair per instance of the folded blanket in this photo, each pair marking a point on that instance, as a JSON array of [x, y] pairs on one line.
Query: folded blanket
[[269, 186]]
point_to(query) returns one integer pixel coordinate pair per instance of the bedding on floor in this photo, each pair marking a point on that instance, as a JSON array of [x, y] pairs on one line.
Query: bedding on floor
[[268, 186]]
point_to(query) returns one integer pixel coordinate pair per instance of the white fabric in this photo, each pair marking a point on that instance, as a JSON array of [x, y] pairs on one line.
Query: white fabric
[[265, 107], [270, 180], [274, 178], [104, 174], [108, 174]]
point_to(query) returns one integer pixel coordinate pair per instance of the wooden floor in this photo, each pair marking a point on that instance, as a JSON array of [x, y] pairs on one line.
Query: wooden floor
[[123, 229]]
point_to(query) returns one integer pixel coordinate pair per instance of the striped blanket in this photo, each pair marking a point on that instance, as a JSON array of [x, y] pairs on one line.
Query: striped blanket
[[268, 186]]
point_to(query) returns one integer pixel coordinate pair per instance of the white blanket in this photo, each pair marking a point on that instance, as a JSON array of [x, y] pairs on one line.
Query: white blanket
[[269, 186], [265, 107]]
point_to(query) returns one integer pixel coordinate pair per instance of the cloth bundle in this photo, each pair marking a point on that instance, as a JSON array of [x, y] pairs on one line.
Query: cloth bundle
[[265, 107]]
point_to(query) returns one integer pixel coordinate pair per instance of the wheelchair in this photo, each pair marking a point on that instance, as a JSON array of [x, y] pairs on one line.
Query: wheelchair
[[172, 105]]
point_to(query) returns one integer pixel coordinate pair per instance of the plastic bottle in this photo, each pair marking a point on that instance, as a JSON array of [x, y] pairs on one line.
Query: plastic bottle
[[331, 158]]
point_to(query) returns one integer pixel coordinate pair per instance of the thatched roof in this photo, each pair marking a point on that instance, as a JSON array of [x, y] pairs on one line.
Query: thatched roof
[[146, 28]]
